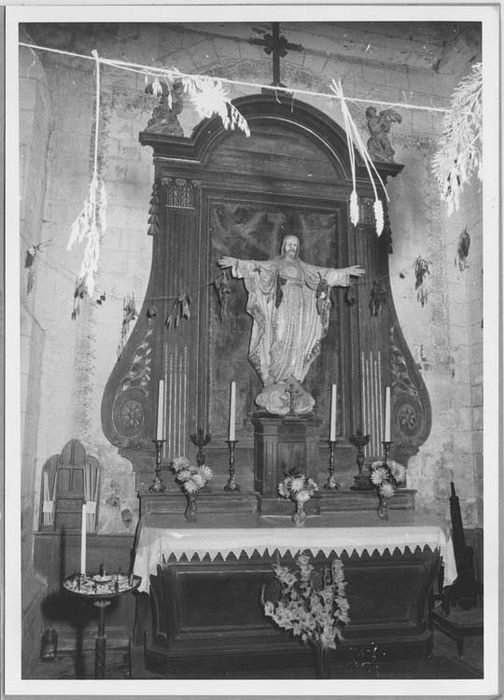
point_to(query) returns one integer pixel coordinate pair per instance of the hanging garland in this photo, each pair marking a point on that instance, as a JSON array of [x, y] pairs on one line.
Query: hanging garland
[[90, 225], [209, 98], [458, 155]]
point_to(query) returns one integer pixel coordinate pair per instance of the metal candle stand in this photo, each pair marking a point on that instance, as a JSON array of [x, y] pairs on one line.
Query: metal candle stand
[[157, 485], [231, 483], [387, 444], [331, 482], [362, 482], [200, 440]]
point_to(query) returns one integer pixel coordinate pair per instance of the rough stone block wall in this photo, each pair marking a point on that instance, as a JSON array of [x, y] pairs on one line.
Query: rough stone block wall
[[35, 117], [373, 65]]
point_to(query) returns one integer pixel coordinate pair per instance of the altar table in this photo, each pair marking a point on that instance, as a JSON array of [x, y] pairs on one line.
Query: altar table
[[205, 581]]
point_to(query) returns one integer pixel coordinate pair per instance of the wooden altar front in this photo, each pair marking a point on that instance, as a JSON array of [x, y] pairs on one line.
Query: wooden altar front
[[205, 580]]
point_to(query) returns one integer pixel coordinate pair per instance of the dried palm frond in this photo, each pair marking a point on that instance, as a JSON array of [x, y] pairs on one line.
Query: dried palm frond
[[458, 155]]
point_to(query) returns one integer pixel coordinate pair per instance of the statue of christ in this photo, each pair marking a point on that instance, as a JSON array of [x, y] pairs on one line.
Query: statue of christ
[[289, 302]]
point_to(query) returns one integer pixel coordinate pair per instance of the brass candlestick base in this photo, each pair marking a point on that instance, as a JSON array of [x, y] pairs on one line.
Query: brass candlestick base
[[331, 483], [231, 482], [157, 485], [361, 481], [387, 444], [200, 440]]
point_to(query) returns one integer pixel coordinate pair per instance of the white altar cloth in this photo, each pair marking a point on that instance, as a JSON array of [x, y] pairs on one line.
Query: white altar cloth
[[159, 538]]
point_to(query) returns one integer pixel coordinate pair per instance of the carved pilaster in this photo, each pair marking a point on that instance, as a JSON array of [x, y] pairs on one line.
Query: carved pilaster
[[180, 192]]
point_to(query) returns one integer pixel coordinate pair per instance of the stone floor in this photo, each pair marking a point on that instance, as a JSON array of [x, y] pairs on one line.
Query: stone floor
[[444, 663]]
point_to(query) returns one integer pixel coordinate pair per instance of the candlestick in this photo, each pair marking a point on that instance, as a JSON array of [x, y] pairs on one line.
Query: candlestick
[[157, 485], [386, 449], [160, 411], [231, 482], [200, 440], [361, 481], [387, 415], [83, 540], [332, 432], [331, 482], [232, 411]]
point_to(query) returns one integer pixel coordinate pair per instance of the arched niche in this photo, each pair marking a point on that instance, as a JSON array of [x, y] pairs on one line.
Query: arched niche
[[218, 192]]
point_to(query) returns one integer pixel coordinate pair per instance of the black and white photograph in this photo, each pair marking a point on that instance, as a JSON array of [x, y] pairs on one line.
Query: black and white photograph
[[252, 356]]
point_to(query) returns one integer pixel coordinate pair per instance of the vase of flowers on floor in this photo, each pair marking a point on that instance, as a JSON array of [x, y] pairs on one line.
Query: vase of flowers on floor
[[191, 478], [299, 488], [385, 477], [310, 603]]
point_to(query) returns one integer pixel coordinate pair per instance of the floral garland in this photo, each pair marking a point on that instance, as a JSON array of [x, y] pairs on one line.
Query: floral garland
[[458, 155], [298, 487], [386, 476], [91, 223], [191, 477], [311, 604]]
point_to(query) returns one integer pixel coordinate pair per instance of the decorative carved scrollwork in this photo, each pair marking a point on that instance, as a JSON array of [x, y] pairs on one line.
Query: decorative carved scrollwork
[[139, 373], [411, 406], [153, 219], [180, 192]]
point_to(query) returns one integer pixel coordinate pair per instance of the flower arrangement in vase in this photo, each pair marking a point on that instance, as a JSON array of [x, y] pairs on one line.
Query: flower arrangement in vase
[[311, 604], [191, 478], [385, 477], [299, 488]]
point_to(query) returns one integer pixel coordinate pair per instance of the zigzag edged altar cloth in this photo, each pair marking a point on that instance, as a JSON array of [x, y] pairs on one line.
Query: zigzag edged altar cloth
[[161, 538]]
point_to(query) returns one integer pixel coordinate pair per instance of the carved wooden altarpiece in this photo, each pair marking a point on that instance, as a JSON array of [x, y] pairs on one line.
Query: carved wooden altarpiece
[[218, 193]]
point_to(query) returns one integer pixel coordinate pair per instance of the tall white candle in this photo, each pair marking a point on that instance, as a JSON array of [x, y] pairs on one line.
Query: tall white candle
[[160, 411], [83, 541], [232, 411], [332, 431], [387, 415]]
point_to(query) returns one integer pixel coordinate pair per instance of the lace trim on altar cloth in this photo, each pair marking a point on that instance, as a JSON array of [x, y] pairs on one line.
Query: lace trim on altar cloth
[[157, 546]]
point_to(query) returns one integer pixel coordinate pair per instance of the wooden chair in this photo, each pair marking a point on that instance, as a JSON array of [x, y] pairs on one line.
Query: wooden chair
[[458, 614]]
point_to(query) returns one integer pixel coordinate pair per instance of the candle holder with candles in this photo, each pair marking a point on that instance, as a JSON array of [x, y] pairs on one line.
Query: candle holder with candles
[[157, 485], [100, 590], [361, 481], [231, 484], [331, 483]]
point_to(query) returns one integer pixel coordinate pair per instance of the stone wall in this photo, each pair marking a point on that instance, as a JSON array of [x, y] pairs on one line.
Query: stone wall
[[35, 129], [421, 66]]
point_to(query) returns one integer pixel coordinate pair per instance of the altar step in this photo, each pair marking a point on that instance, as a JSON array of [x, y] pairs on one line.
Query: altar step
[[251, 502]]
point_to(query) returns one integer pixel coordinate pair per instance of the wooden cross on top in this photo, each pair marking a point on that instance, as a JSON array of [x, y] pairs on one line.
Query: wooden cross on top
[[277, 45]]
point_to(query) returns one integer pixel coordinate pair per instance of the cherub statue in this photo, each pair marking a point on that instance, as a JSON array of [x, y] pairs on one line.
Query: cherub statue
[[379, 125]]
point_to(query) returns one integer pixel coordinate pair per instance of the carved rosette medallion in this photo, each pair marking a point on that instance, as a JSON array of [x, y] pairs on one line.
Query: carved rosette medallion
[[411, 407], [129, 406]]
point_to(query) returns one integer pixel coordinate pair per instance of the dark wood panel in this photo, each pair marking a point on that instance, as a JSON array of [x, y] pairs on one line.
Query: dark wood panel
[[212, 611]]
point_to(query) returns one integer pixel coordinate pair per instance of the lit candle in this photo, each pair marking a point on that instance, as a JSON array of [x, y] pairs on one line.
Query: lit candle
[[232, 410], [83, 541], [332, 431], [160, 411], [387, 414]]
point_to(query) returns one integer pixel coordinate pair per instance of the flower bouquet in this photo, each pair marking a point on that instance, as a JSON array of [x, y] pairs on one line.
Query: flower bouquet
[[311, 604], [191, 478], [385, 477], [299, 488]]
